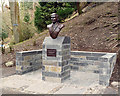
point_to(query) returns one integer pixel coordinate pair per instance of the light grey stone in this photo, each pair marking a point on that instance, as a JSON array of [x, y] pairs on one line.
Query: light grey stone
[[105, 71], [57, 41], [58, 47], [92, 58]]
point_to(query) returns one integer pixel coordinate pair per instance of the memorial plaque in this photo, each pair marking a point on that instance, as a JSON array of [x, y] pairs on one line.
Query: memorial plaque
[[51, 52]]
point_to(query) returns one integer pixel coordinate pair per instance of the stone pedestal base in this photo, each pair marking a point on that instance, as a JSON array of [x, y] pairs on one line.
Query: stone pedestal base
[[56, 55]]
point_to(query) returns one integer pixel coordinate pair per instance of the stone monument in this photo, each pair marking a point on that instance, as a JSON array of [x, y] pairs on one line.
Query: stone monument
[[55, 54]]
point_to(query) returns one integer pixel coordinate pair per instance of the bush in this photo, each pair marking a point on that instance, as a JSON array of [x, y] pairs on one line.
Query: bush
[[64, 13], [27, 5], [27, 31], [3, 35], [27, 18], [43, 12]]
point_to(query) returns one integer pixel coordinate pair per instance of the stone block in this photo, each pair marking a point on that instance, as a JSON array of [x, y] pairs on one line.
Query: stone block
[[67, 57], [43, 46], [18, 54], [50, 62], [53, 69], [103, 59], [81, 53], [97, 54], [25, 63], [64, 78], [104, 65], [90, 62], [63, 63], [54, 74], [19, 68], [27, 53], [67, 67], [104, 83], [65, 46], [36, 67], [38, 57], [59, 59], [24, 71], [105, 71], [57, 41], [97, 63], [18, 63], [74, 59], [65, 73], [66, 40], [19, 58], [63, 53], [80, 64], [43, 52], [49, 74], [105, 78], [27, 58], [52, 79], [74, 67], [58, 47], [92, 58]]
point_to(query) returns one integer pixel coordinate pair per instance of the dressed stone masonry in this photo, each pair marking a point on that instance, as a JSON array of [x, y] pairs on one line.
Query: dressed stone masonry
[[55, 64], [56, 55], [97, 62], [27, 61]]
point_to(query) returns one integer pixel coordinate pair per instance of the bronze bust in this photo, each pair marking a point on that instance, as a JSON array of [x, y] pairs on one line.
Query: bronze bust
[[55, 27]]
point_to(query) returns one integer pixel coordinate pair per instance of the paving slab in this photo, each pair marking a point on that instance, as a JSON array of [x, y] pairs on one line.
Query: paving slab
[[71, 89], [32, 83]]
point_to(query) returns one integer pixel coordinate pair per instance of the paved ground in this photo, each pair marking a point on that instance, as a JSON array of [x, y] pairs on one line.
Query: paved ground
[[31, 83]]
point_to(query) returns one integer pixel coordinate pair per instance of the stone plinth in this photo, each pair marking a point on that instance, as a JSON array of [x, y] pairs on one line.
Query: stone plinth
[[56, 55]]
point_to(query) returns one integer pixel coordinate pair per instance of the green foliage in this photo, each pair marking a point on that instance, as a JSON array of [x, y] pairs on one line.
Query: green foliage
[[27, 5], [43, 12], [27, 31], [27, 18], [3, 34], [64, 13]]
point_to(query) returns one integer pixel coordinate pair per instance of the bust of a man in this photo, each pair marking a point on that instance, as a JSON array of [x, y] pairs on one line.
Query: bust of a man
[[55, 27]]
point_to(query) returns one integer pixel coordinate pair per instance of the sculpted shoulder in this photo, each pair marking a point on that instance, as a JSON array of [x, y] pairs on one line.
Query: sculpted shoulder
[[50, 25], [62, 25]]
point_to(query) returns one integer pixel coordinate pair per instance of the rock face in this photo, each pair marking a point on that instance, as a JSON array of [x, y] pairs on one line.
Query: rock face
[[9, 64]]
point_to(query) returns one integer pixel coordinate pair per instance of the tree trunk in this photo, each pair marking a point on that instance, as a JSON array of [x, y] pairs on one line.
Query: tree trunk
[[2, 6], [79, 8], [18, 21], [15, 20]]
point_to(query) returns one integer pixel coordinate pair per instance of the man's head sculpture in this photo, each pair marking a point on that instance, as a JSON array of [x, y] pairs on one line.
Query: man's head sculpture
[[55, 27], [54, 17]]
